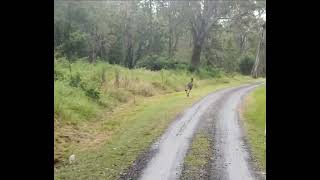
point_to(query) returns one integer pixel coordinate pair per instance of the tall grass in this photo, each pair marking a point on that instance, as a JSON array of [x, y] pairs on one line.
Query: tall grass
[[86, 90]]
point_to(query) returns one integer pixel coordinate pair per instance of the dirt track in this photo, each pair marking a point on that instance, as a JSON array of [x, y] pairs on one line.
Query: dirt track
[[231, 159]]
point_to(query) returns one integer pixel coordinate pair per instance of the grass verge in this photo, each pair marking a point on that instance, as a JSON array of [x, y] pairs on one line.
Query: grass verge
[[197, 158], [255, 120]]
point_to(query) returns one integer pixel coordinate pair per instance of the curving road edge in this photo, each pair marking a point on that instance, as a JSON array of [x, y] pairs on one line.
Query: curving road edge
[[231, 159]]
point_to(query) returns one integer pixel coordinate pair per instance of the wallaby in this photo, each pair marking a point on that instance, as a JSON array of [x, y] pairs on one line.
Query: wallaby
[[189, 87]]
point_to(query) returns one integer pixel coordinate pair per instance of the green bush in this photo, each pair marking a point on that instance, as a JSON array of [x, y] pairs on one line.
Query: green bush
[[92, 93], [246, 65], [208, 72], [182, 66], [75, 46], [75, 81], [58, 75]]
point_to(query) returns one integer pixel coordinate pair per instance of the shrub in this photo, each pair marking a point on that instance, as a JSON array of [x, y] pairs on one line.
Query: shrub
[[58, 75], [208, 72], [103, 75], [156, 63], [182, 66], [75, 81], [93, 93]]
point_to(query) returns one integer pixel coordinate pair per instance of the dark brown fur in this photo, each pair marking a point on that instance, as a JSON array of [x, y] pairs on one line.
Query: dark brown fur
[[189, 87]]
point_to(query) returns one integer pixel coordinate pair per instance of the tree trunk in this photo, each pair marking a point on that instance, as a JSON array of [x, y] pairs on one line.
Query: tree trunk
[[129, 58], [196, 53], [94, 43], [198, 39], [129, 48], [101, 48], [174, 49], [93, 56], [138, 53], [151, 49], [243, 40], [170, 40], [170, 29], [255, 70], [128, 36]]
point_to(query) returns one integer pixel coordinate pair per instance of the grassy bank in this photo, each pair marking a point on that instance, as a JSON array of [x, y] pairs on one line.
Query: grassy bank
[[255, 120], [85, 94], [112, 114]]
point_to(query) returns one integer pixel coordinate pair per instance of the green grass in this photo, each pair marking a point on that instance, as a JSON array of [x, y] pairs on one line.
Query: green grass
[[197, 158], [133, 129], [255, 120]]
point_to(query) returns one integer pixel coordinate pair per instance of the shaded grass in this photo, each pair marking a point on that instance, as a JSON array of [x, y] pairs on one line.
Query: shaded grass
[[131, 130], [255, 120]]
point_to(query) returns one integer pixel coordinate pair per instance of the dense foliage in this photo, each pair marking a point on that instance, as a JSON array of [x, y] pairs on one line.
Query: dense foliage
[[156, 34]]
